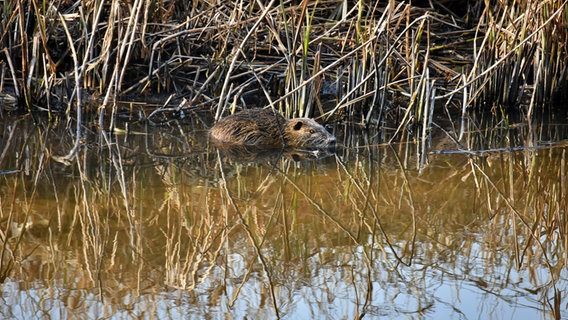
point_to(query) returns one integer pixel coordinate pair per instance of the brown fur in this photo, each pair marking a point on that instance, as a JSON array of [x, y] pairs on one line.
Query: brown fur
[[267, 128]]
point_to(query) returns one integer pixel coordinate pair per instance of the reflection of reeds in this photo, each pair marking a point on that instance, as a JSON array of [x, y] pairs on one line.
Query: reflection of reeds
[[132, 221], [7, 252]]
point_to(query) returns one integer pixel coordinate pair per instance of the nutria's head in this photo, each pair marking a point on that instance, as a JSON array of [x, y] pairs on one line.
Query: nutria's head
[[306, 133]]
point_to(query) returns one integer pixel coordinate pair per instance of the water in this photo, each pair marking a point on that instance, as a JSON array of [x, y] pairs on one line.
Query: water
[[158, 224]]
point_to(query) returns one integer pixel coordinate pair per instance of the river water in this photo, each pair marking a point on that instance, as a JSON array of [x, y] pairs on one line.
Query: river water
[[156, 222]]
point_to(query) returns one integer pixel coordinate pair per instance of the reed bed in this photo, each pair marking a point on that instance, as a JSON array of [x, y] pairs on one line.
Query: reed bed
[[356, 61], [165, 200]]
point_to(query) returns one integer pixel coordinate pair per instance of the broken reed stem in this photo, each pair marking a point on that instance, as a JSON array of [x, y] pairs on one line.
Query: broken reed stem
[[78, 92]]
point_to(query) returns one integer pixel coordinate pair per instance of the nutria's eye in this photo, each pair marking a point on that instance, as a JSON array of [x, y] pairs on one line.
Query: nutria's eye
[[312, 131]]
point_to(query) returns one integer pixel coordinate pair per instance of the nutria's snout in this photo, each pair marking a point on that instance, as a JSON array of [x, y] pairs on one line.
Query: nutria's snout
[[332, 140], [332, 143]]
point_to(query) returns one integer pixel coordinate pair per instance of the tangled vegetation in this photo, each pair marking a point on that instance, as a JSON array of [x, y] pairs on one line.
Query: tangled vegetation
[[108, 219], [336, 59]]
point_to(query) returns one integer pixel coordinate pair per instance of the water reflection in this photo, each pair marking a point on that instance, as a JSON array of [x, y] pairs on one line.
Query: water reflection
[[155, 224]]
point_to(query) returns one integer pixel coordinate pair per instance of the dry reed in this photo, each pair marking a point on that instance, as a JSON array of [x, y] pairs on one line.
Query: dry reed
[[327, 58]]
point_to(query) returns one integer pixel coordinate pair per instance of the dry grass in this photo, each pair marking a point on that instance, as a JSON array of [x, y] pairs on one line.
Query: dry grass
[[323, 58], [385, 66]]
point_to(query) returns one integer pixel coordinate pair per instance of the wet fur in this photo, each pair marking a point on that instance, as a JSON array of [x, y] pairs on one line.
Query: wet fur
[[267, 128]]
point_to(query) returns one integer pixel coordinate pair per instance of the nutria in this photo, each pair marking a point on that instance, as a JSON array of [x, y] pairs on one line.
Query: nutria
[[267, 128]]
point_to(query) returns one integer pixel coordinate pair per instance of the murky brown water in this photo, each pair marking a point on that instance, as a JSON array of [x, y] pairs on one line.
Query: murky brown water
[[156, 224]]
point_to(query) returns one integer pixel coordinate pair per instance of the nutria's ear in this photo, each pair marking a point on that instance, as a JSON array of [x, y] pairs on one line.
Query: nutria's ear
[[298, 125]]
